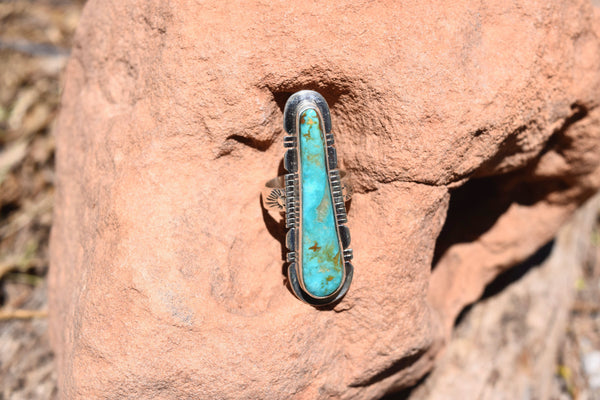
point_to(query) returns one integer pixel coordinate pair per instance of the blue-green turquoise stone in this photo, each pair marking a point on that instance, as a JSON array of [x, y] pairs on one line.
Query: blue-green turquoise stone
[[321, 256]]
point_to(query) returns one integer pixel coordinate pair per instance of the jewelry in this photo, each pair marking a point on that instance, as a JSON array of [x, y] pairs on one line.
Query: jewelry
[[313, 194], [273, 192]]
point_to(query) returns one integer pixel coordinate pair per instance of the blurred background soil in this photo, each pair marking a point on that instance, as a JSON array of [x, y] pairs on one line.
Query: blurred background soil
[[35, 37]]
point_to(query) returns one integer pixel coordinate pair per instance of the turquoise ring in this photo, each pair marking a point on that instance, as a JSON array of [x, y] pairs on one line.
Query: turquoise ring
[[317, 240]]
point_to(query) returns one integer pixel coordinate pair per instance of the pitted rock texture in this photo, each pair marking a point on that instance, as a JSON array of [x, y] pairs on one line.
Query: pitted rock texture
[[471, 130]]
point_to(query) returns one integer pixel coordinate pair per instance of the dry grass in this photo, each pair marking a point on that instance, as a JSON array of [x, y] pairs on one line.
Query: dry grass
[[34, 42]]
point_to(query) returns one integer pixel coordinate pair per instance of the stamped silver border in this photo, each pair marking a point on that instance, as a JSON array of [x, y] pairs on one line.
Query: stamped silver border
[[294, 107]]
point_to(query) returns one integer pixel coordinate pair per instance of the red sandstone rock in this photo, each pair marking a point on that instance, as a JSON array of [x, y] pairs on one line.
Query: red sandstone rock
[[166, 276], [507, 345]]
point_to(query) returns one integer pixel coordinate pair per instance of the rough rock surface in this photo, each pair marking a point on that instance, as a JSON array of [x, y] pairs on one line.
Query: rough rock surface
[[506, 347], [471, 130]]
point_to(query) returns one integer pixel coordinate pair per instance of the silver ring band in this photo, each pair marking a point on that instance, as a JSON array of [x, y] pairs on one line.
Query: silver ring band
[[273, 193]]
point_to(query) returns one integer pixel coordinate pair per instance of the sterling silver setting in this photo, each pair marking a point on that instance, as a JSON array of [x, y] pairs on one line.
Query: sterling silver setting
[[292, 200]]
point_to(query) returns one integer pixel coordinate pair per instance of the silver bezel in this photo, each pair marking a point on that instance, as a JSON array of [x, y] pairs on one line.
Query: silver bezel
[[295, 106]]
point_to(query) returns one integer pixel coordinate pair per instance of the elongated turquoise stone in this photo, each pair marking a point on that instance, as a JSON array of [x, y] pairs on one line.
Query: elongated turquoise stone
[[321, 256]]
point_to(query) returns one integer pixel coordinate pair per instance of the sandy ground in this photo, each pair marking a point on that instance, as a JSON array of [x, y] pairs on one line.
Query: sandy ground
[[35, 37]]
